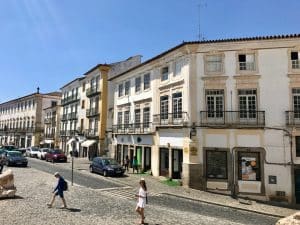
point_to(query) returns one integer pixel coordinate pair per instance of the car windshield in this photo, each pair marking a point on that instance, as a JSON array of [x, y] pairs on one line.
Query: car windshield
[[56, 151], [34, 149], [109, 162], [14, 154], [45, 150]]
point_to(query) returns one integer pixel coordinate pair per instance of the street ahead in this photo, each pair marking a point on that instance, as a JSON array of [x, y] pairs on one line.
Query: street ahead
[[161, 206]]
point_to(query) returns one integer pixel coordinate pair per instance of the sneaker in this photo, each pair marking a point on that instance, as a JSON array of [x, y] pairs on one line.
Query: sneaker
[[49, 205]]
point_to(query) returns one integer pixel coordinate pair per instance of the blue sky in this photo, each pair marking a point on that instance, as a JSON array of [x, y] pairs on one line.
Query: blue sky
[[48, 43]]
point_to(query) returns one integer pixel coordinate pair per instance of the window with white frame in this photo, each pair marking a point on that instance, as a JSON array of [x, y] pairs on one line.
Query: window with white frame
[[247, 103], [138, 81], [126, 118], [296, 102], [178, 67], [146, 117], [127, 87], [120, 118], [164, 106], [177, 105], [246, 62], [137, 117], [295, 60], [121, 89], [146, 81], [165, 73], [214, 63], [215, 103]]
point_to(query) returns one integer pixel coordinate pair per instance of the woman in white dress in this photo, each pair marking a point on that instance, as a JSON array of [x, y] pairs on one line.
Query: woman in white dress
[[142, 198]]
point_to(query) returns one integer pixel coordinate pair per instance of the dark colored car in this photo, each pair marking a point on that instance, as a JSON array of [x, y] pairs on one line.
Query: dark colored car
[[55, 155], [106, 166], [15, 158]]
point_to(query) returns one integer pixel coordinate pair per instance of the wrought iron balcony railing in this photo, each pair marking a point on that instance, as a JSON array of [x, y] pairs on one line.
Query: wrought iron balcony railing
[[69, 99], [135, 128], [64, 117], [92, 91], [50, 136], [232, 118], [91, 133], [72, 116], [292, 118], [92, 112], [171, 119]]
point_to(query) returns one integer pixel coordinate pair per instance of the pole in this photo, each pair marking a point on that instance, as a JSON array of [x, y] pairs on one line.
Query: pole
[[72, 167]]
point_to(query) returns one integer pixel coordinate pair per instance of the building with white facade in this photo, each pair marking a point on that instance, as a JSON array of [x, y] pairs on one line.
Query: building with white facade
[[222, 115], [22, 119], [87, 109]]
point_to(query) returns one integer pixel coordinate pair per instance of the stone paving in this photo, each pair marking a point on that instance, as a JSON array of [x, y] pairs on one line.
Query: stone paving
[[154, 185], [90, 206]]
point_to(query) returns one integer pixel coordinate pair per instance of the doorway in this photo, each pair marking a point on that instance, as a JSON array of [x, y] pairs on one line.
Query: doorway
[[164, 162], [147, 158], [177, 158], [297, 185]]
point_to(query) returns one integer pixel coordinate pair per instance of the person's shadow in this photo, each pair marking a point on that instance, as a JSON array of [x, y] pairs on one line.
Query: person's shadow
[[73, 210]]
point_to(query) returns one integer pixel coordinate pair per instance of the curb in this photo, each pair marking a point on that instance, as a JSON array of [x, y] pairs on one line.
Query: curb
[[226, 206]]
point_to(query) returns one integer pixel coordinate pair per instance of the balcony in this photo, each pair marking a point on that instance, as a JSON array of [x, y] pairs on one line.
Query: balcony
[[70, 99], [92, 91], [49, 136], [292, 118], [64, 117], [72, 116], [248, 66], [47, 120], [171, 119], [67, 132], [92, 112], [134, 128], [232, 118], [295, 64], [91, 133]]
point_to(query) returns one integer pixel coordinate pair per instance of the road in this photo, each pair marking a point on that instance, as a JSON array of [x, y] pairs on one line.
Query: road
[[160, 205]]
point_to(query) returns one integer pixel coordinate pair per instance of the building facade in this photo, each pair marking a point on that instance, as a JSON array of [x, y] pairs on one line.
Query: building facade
[[51, 126], [22, 119], [87, 109], [223, 116]]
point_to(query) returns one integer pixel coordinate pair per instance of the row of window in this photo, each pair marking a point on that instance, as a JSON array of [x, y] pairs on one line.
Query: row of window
[[246, 62], [21, 106], [16, 124], [140, 116], [124, 87]]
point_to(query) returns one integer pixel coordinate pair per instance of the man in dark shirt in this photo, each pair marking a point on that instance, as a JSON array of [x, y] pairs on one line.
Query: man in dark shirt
[[59, 190]]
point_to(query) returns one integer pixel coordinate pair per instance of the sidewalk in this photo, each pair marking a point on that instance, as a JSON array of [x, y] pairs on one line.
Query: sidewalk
[[156, 186]]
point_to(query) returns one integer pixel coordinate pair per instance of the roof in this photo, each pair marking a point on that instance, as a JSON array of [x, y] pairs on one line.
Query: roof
[[76, 79], [272, 37]]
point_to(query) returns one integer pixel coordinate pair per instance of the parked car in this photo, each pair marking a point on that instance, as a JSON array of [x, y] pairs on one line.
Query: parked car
[[15, 158], [8, 147], [42, 153], [106, 166], [32, 151], [55, 155]]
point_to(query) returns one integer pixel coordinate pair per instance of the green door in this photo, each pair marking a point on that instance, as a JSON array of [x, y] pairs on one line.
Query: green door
[[139, 155]]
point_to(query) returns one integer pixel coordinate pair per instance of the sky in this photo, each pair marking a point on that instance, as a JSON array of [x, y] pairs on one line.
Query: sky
[[48, 43]]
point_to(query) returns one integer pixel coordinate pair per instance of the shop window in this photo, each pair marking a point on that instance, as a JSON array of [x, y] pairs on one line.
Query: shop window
[[249, 166], [216, 164]]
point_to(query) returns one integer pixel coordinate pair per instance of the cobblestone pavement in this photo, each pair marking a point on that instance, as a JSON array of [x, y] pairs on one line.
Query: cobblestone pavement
[[154, 185], [107, 206]]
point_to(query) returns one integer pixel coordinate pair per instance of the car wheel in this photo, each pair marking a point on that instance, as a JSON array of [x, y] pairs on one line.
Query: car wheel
[[91, 169], [105, 173]]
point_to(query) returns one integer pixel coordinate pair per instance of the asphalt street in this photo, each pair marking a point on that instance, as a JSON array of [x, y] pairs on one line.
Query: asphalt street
[[157, 202]]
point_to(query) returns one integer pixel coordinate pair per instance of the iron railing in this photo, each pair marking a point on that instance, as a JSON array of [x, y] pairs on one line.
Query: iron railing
[[91, 133], [72, 116], [292, 118], [92, 91], [92, 112], [69, 99], [232, 118], [179, 119], [136, 128]]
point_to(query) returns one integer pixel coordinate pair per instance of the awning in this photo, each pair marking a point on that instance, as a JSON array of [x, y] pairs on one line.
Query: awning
[[70, 141], [49, 141], [88, 143]]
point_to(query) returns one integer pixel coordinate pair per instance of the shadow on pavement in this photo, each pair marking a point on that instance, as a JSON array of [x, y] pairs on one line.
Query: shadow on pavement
[[74, 210], [11, 198]]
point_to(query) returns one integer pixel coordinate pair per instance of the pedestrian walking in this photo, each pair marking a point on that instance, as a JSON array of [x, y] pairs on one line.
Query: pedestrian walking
[[126, 163], [142, 200], [2, 161], [135, 165], [59, 190]]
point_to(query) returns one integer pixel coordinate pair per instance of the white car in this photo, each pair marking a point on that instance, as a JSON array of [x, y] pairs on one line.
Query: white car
[[42, 153], [32, 151]]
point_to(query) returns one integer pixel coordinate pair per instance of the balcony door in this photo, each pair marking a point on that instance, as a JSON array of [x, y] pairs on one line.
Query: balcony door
[[296, 104], [247, 105], [164, 109], [177, 107], [215, 105]]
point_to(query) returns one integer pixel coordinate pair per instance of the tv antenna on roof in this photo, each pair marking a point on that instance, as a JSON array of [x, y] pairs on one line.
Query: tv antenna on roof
[[200, 5]]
